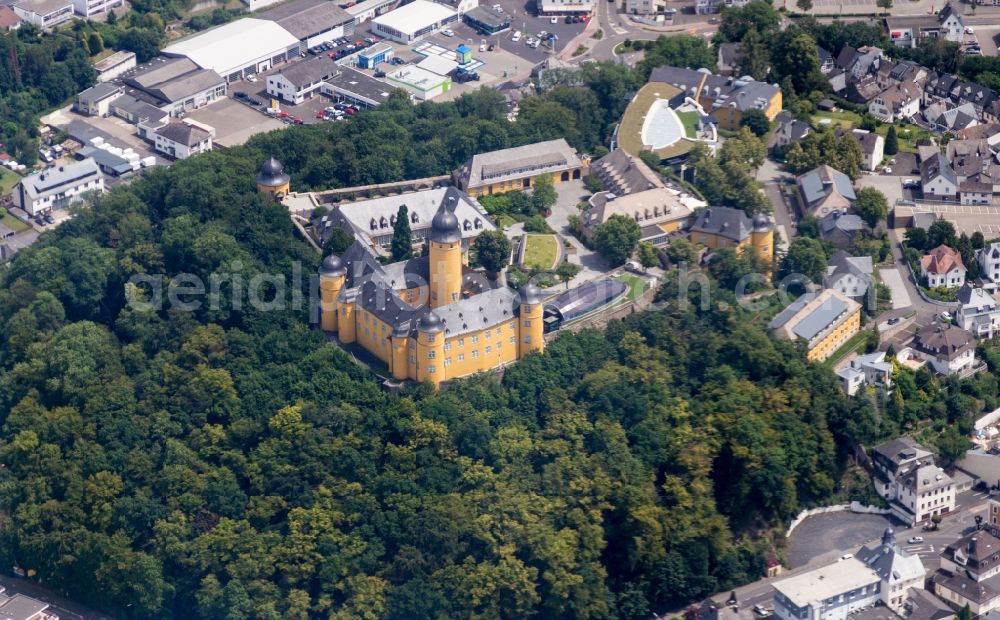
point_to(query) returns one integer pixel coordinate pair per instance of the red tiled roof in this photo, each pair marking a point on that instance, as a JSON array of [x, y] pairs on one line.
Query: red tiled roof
[[941, 260], [8, 18]]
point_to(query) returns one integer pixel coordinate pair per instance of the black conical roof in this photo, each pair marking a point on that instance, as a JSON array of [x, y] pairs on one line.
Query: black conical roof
[[444, 226], [272, 173]]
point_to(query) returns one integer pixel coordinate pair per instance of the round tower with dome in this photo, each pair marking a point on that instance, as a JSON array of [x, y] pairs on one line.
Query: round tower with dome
[[762, 240], [531, 326], [331, 280], [445, 266], [272, 180], [430, 348]]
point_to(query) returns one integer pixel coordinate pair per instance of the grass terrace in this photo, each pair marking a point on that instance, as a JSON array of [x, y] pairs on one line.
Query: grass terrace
[[636, 286], [690, 121], [12, 222], [8, 179], [540, 252]]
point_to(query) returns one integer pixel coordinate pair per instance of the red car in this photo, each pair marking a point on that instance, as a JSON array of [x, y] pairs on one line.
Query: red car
[[282, 114], [298, 120], [349, 111], [320, 114]]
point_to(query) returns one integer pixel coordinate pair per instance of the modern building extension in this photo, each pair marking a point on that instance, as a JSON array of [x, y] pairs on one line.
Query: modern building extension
[[515, 168]]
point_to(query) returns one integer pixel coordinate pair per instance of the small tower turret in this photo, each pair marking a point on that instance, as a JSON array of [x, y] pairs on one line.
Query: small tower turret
[[430, 349], [332, 274], [272, 180], [531, 332], [445, 267]]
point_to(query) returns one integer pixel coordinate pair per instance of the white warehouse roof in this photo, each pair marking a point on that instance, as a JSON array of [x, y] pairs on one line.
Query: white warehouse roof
[[415, 16], [235, 45]]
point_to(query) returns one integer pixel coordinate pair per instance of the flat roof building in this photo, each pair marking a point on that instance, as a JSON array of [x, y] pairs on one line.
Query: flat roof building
[[311, 21], [824, 321], [421, 83], [96, 100], [237, 49], [660, 211], [44, 14], [565, 7], [56, 188], [21, 607], [413, 21], [357, 88], [828, 593], [487, 20], [514, 168], [114, 65]]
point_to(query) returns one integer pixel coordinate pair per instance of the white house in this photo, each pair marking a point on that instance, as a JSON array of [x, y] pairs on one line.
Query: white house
[[851, 276], [989, 261], [56, 188], [938, 178], [182, 140], [978, 312], [899, 570], [89, 8], [899, 101], [872, 147], [300, 81], [925, 491], [947, 348], [871, 369], [943, 266]]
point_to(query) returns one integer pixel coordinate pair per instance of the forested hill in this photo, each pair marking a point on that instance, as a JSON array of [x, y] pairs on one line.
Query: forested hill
[[230, 463]]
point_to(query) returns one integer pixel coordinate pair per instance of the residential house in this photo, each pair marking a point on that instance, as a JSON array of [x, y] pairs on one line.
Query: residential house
[[979, 96], [977, 312], [906, 476], [900, 571], [968, 574], [827, 63], [989, 262], [973, 192], [841, 228], [924, 605], [945, 116], [902, 72], [789, 129], [302, 80], [858, 63], [829, 592], [57, 187], [909, 30], [938, 179], [9, 20], [949, 349], [894, 458], [897, 102], [825, 321], [851, 276], [943, 266], [182, 140], [870, 369], [823, 190], [729, 57], [872, 147]]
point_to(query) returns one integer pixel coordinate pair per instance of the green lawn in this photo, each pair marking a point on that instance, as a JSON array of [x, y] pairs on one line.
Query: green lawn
[[630, 130], [541, 252], [11, 222], [8, 180], [857, 340], [690, 121], [636, 285], [844, 118]]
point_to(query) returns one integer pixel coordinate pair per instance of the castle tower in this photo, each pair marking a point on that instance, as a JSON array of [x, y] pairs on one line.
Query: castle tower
[[272, 180], [332, 274], [400, 347], [530, 325], [430, 349], [762, 240], [445, 267]]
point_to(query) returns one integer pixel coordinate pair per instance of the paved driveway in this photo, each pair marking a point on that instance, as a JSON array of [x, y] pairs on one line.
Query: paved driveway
[[835, 530], [894, 280]]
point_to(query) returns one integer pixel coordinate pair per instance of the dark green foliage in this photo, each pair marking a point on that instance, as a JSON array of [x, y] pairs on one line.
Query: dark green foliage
[[891, 141], [871, 205], [616, 238], [402, 237], [337, 243], [756, 121], [493, 250]]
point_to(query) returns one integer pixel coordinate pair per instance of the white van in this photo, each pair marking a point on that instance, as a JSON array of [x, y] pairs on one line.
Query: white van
[[516, 37]]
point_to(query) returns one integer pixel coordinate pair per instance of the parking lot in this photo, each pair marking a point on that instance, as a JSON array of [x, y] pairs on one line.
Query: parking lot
[[234, 122]]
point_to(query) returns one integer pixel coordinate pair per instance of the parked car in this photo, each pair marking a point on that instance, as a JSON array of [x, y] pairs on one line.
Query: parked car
[[448, 32], [915, 540], [516, 37], [397, 61], [379, 73], [240, 95], [554, 20], [482, 46], [894, 320], [49, 219], [969, 30], [298, 120], [946, 316], [911, 183], [847, 556], [39, 220]]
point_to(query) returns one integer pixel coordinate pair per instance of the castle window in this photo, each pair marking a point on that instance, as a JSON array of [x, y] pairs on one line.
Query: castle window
[[527, 322], [431, 337], [447, 361], [432, 369], [475, 339], [412, 346], [499, 344], [527, 308], [512, 326], [413, 217], [512, 340], [527, 339], [489, 348], [487, 334], [431, 355], [447, 346], [475, 354], [461, 357], [498, 330], [413, 360], [461, 342]]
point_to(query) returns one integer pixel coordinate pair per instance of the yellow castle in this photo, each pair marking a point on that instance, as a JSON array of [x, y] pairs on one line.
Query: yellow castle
[[430, 318]]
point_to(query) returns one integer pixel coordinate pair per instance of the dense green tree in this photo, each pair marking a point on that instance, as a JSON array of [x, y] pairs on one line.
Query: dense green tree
[[493, 250], [891, 141], [684, 50], [756, 121], [543, 192], [806, 257], [566, 271], [402, 236], [941, 232], [616, 238], [338, 242], [646, 254], [794, 56], [871, 205], [755, 56], [757, 16]]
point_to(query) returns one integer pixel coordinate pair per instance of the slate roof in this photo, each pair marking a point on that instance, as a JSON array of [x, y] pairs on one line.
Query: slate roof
[[307, 72], [56, 180], [868, 140], [730, 223], [823, 184], [945, 342], [513, 163], [974, 298], [843, 264], [100, 91], [182, 133], [890, 561], [924, 605], [901, 449], [20, 607], [173, 79], [625, 174], [937, 165]]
